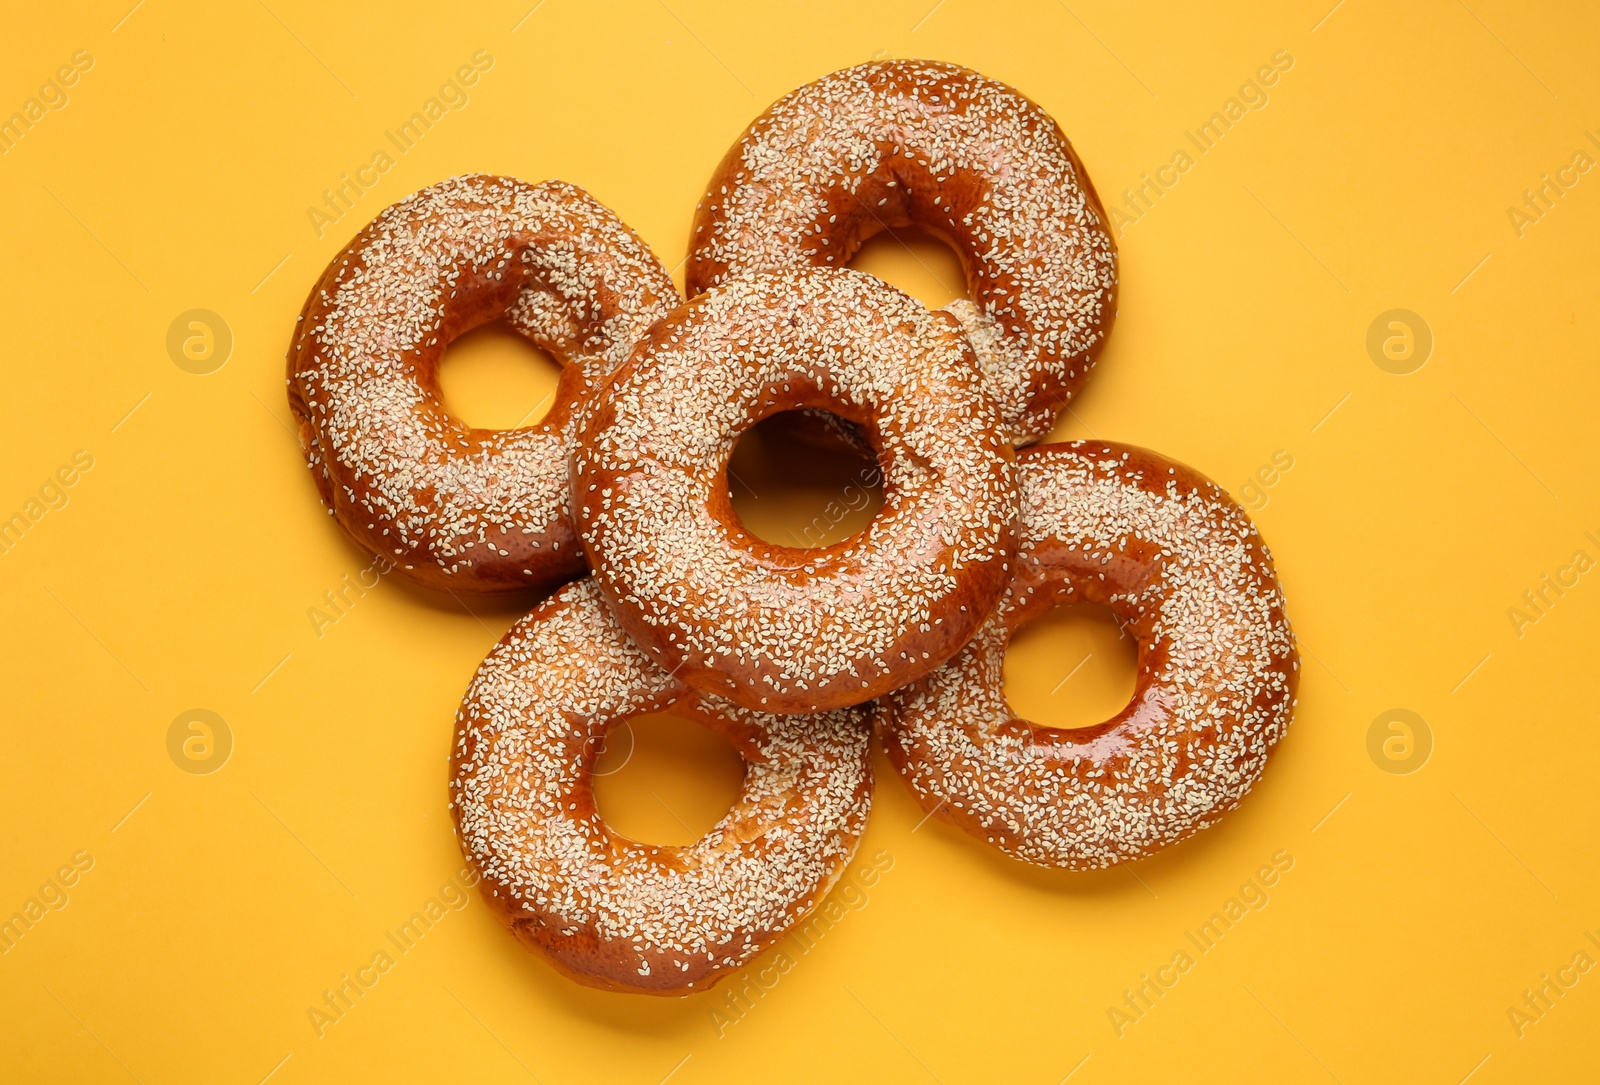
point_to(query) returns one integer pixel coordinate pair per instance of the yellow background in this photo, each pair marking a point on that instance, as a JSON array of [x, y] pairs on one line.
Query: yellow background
[[180, 573]]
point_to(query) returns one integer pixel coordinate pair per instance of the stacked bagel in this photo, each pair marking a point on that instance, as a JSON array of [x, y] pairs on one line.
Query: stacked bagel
[[619, 500]]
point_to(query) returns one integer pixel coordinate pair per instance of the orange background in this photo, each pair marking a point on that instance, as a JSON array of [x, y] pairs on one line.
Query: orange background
[[179, 570]]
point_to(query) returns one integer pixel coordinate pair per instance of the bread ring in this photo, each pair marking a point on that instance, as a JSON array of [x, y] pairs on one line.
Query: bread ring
[[1186, 571], [918, 143], [453, 506], [609, 911], [778, 628]]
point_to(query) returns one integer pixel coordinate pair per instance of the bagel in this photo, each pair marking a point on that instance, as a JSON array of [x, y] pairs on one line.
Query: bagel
[[446, 504], [779, 628], [963, 157], [1188, 576], [609, 911]]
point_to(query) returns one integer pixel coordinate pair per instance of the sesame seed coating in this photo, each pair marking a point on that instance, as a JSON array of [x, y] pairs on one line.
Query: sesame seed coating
[[450, 505], [607, 910], [1186, 571], [780, 628], [969, 159]]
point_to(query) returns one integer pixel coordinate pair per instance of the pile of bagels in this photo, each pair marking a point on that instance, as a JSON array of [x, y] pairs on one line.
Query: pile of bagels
[[615, 507]]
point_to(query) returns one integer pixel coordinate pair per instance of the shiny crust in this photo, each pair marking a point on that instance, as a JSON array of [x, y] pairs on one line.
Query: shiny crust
[[1187, 572], [608, 911], [914, 142], [452, 506], [778, 628]]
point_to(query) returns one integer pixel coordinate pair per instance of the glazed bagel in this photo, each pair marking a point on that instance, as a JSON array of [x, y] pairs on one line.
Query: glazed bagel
[[449, 505], [609, 911], [778, 628], [1186, 571], [918, 143]]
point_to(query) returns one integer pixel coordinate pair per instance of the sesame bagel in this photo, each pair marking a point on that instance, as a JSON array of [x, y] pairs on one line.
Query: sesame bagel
[[449, 505], [609, 911], [1189, 577], [779, 628], [936, 146]]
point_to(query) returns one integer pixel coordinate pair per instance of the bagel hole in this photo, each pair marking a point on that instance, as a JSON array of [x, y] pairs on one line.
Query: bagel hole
[[794, 480], [662, 779], [493, 377], [915, 262], [1072, 668]]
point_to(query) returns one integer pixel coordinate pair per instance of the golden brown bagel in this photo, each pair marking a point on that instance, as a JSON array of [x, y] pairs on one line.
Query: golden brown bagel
[[448, 505], [1187, 574], [609, 911], [918, 143], [779, 628]]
